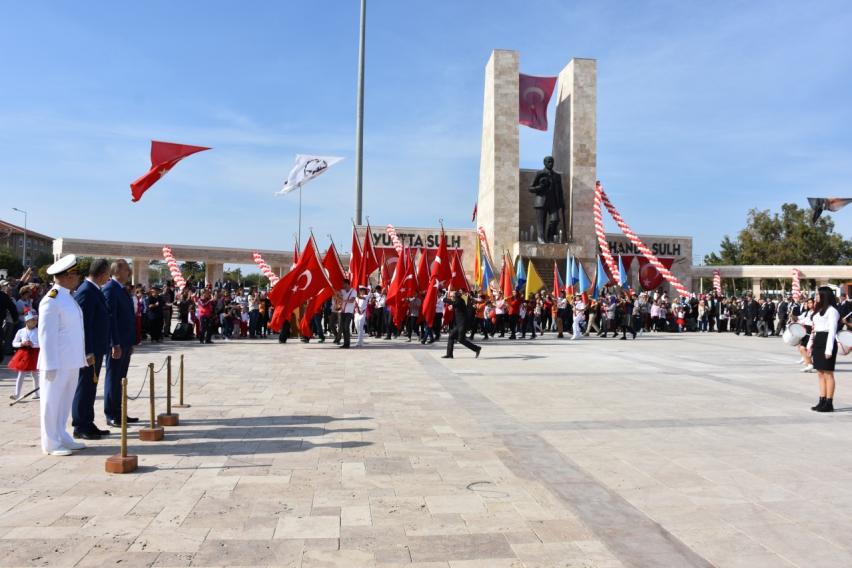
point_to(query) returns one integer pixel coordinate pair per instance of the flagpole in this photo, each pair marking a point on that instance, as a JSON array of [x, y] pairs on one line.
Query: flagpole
[[359, 116], [299, 238]]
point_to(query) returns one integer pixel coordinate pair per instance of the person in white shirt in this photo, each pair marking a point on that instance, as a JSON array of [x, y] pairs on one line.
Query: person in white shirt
[[579, 317], [346, 297], [62, 353], [361, 313], [802, 315], [822, 346]]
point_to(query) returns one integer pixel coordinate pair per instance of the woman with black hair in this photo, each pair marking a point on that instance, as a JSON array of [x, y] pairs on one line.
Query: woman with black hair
[[822, 346]]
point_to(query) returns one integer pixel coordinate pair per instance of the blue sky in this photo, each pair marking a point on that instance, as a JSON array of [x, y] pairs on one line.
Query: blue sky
[[705, 109]]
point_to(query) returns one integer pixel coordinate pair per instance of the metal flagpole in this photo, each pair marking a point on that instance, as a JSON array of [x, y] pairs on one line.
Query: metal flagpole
[[299, 238], [359, 116]]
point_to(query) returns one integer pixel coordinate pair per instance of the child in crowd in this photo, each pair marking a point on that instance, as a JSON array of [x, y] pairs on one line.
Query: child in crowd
[[26, 358]]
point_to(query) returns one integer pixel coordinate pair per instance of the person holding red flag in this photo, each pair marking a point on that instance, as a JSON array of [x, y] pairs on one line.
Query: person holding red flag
[[305, 281]]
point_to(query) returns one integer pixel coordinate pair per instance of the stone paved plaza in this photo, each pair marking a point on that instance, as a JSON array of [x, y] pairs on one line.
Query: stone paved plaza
[[690, 450]]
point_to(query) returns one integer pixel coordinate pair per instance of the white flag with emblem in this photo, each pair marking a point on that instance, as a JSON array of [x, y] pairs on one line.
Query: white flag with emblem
[[305, 169]]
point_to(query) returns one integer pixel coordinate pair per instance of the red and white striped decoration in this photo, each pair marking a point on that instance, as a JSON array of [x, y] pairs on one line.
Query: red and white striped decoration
[[265, 269], [484, 240], [397, 244], [797, 290], [717, 281], [601, 233], [173, 268], [601, 197]]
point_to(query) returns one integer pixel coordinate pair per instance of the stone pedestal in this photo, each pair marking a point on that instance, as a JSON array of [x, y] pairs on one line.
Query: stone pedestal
[[119, 464], [168, 419], [154, 434]]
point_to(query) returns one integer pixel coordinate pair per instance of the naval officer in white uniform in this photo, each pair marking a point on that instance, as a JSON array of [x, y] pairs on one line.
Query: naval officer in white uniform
[[62, 354]]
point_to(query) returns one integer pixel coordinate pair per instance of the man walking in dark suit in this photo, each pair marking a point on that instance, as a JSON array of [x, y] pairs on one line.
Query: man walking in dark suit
[[96, 328], [122, 339], [459, 326]]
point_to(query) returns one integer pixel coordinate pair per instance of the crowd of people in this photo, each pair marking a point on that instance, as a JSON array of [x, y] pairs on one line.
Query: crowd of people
[[226, 311]]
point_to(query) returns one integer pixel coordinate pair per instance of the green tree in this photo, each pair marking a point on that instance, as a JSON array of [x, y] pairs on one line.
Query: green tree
[[193, 271], [235, 275], [256, 280], [11, 262], [788, 238]]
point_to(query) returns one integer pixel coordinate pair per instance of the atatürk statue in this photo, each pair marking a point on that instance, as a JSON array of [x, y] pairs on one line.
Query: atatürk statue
[[549, 202]]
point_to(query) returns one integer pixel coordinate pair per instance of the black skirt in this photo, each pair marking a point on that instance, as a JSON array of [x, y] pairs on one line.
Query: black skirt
[[807, 336], [821, 362]]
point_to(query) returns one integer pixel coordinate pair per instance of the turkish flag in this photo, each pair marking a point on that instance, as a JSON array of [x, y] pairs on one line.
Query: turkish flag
[[369, 262], [354, 260], [533, 96], [441, 273], [331, 263], [164, 156], [422, 274], [312, 308], [458, 280], [305, 281], [649, 277]]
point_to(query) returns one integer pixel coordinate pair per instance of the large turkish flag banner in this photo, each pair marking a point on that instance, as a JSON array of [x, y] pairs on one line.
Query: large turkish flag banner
[[533, 96]]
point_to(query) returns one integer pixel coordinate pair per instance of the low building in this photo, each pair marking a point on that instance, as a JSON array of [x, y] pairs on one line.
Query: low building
[[12, 237]]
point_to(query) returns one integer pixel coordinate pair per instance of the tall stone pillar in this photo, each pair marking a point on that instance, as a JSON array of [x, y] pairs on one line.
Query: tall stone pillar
[[140, 272], [755, 287], [498, 201], [213, 272], [575, 150]]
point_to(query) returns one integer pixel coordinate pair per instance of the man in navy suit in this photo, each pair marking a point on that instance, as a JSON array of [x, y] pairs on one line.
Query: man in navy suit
[[96, 328], [122, 339]]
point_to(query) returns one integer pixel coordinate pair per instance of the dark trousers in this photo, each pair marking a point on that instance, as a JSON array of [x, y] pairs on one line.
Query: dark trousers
[[346, 324], [155, 328], [333, 327], [412, 326], [208, 327], [83, 406], [116, 369], [457, 333], [436, 326], [167, 321], [513, 325], [254, 317], [316, 324]]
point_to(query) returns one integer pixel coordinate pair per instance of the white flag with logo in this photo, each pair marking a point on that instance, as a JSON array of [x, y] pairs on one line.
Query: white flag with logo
[[305, 169]]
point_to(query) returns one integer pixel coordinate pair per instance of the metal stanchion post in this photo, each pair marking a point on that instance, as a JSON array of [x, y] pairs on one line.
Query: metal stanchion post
[[180, 380], [168, 419], [154, 433], [122, 463]]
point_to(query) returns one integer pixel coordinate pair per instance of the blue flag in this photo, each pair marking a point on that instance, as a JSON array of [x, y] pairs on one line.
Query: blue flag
[[487, 271], [622, 274], [582, 279], [520, 275], [601, 279]]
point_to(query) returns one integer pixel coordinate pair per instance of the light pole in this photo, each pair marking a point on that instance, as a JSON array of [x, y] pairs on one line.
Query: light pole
[[359, 116], [24, 257]]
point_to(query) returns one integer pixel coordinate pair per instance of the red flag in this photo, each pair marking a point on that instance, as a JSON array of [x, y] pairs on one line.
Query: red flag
[[331, 263], [422, 274], [533, 96], [306, 280], [441, 273], [369, 262], [312, 308], [354, 260], [558, 287], [385, 277], [164, 156], [507, 285], [458, 280]]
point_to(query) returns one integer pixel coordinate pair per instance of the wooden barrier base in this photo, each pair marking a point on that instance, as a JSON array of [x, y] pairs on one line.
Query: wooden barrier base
[[181, 405], [118, 464], [168, 419], [154, 434]]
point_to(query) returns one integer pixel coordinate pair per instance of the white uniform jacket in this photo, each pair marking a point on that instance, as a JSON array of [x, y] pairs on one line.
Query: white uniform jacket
[[60, 332]]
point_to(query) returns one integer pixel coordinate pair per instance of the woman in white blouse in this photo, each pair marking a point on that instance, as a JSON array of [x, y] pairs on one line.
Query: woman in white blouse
[[822, 346]]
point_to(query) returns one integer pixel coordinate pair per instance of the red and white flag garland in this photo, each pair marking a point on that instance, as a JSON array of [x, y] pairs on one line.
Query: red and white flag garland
[[265, 269], [397, 244], [717, 281], [173, 268]]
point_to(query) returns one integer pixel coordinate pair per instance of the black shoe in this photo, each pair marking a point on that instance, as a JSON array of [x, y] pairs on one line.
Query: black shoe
[[102, 432], [431, 341], [625, 337], [828, 406], [114, 423], [478, 351], [87, 435], [446, 356], [343, 347], [819, 404], [131, 420]]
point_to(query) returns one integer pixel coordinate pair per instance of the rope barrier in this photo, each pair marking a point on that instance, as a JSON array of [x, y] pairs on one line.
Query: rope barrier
[[601, 197], [144, 382]]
